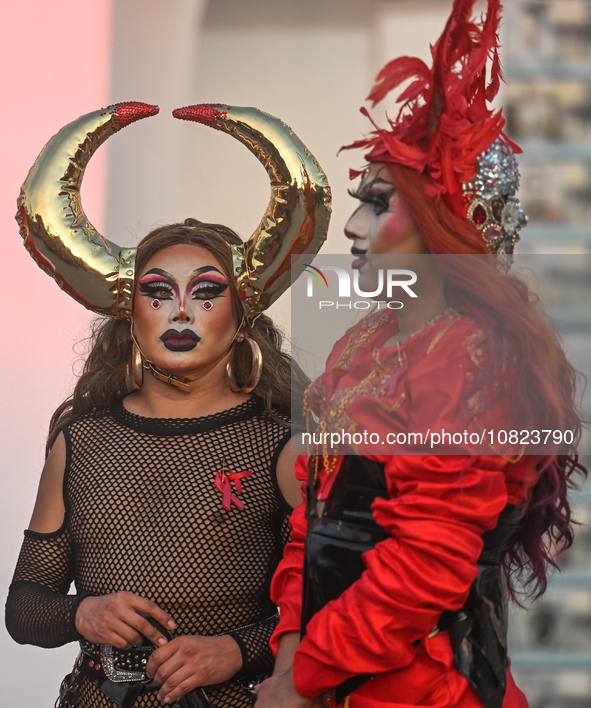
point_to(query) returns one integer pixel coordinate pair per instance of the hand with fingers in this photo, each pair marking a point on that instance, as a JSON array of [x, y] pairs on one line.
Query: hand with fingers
[[278, 690], [121, 619], [193, 660]]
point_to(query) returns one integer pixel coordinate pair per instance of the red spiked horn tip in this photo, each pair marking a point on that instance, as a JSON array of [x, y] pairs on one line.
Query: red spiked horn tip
[[444, 122]]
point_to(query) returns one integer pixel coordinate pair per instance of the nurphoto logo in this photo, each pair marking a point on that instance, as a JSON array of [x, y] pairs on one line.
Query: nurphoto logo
[[387, 280]]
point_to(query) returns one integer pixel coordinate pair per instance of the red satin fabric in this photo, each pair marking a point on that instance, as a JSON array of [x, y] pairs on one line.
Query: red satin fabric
[[438, 510]]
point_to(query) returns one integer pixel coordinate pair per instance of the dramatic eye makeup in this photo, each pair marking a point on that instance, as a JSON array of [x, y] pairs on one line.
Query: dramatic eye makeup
[[156, 287], [157, 283], [204, 283], [207, 286], [378, 196], [207, 282]]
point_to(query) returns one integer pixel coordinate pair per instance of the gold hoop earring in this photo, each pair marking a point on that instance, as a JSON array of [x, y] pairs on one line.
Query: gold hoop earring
[[255, 372], [134, 376]]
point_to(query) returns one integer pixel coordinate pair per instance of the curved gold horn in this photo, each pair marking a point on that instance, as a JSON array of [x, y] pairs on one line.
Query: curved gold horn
[[295, 223], [93, 270]]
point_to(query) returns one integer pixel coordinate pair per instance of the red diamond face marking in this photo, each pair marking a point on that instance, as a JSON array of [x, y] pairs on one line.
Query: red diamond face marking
[[207, 305]]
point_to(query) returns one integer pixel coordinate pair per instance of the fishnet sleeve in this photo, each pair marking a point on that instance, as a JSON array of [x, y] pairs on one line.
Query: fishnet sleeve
[[257, 657], [254, 639], [38, 609]]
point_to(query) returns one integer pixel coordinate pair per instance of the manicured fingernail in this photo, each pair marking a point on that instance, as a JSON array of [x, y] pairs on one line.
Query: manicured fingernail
[[162, 641], [171, 624]]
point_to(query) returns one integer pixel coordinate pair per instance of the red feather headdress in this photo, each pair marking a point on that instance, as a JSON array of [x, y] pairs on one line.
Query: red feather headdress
[[444, 124]]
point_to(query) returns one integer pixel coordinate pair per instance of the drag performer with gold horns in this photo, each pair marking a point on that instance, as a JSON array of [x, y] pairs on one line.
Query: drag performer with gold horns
[[168, 483], [393, 589]]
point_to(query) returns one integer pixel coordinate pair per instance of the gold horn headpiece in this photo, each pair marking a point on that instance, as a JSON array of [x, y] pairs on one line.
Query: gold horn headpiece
[[100, 274], [297, 216], [57, 233]]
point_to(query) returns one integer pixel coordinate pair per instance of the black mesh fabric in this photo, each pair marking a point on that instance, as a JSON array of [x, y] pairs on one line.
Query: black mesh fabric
[[41, 581], [143, 515]]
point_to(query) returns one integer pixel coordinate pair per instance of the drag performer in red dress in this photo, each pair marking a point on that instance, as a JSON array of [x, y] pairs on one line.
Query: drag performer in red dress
[[167, 489], [393, 589]]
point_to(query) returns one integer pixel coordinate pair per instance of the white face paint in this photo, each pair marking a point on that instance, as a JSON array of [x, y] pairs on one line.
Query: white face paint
[[172, 327]]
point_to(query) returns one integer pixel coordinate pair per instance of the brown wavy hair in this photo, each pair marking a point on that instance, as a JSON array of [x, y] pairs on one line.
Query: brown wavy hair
[[103, 376], [543, 384]]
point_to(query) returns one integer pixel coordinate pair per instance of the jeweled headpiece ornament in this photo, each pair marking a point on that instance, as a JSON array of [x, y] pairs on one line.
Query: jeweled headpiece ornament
[[100, 274], [446, 130], [492, 205]]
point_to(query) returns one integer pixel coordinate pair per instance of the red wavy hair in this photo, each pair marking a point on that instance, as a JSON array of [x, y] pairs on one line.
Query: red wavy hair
[[542, 381]]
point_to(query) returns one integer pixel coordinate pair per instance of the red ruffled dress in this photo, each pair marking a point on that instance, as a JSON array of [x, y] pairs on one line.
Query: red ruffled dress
[[439, 508]]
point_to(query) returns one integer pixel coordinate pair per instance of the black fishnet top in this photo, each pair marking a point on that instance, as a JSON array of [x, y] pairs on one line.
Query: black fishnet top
[[143, 515]]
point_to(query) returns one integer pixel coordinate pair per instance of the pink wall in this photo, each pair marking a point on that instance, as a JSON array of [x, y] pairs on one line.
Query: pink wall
[[55, 60]]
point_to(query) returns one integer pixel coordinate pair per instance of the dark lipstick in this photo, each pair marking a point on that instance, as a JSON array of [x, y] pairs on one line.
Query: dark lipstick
[[358, 262], [182, 341]]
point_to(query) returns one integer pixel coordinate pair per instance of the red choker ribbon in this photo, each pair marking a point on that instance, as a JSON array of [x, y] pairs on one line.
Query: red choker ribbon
[[223, 483]]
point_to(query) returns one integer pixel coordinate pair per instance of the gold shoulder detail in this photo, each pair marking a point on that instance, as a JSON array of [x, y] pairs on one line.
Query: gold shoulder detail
[[440, 334]]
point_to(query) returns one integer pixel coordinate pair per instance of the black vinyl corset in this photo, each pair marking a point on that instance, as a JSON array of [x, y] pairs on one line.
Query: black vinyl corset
[[345, 529]]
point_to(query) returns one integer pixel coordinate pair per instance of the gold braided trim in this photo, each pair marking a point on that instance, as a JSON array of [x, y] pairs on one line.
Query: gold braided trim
[[507, 458], [356, 342], [329, 461], [440, 334], [394, 407]]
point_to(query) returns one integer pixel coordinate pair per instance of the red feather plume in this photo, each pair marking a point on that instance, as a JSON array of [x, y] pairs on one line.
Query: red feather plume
[[444, 122]]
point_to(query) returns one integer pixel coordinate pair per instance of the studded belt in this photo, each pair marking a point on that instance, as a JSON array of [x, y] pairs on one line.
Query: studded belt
[[119, 673], [118, 665]]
